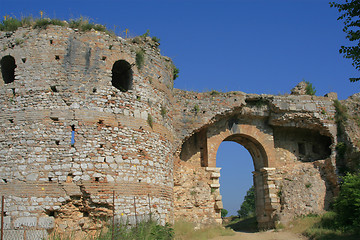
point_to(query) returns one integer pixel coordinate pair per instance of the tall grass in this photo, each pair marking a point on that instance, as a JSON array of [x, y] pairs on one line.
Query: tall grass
[[145, 230], [321, 227]]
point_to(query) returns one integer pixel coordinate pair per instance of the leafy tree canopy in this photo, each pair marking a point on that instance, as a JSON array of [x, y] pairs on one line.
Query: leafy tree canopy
[[224, 212], [247, 208], [347, 204], [350, 12]]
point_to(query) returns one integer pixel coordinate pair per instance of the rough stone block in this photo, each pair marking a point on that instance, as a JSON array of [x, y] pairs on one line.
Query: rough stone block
[[7, 222], [25, 222], [46, 222], [14, 235], [36, 234], [219, 205]]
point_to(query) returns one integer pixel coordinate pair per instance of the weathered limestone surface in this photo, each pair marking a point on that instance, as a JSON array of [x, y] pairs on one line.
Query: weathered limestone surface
[[81, 123]]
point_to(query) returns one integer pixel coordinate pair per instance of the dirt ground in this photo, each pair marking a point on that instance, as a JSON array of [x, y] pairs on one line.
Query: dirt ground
[[268, 235]]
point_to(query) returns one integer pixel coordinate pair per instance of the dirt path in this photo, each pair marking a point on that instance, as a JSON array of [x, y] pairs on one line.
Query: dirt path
[[269, 235]]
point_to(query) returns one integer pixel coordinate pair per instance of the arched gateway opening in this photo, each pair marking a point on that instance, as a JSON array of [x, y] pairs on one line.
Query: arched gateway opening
[[260, 162], [236, 177], [196, 180]]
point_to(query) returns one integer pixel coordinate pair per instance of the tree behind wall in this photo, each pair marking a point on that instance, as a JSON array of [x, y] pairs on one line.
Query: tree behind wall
[[247, 208], [350, 12]]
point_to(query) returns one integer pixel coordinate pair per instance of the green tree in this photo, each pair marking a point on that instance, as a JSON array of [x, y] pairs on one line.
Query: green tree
[[350, 12], [224, 212], [247, 208], [347, 204], [310, 89]]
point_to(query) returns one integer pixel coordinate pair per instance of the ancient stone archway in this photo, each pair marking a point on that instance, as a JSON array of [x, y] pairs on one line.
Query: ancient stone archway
[[261, 147]]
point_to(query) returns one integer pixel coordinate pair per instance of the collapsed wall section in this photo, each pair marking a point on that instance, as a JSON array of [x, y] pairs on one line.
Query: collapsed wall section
[[79, 128]]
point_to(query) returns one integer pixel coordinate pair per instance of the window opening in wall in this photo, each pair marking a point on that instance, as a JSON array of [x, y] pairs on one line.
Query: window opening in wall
[[50, 179], [23, 60], [97, 179], [11, 120], [122, 75], [94, 90], [55, 119], [53, 88], [13, 91], [57, 142], [51, 41], [8, 66], [103, 58], [57, 57], [301, 147], [72, 135]]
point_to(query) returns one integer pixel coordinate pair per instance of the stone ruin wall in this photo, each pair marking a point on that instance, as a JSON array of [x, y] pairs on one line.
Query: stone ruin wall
[[64, 84], [294, 152]]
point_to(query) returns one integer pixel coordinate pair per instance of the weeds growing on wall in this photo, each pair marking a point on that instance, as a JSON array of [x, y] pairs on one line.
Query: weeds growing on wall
[[82, 24], [140, 58], [163, 111], [176, 72], [150, 121]]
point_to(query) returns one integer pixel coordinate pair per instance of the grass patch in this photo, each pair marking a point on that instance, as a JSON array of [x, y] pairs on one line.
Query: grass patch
[[149, 230], [321, 227], [185, 231]]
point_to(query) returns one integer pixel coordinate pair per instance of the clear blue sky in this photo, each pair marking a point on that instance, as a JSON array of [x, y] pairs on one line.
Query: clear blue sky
[[254, 46]]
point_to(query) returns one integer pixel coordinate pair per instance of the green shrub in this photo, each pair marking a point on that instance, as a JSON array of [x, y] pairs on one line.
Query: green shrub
[[155, 39], [163, 111], [140, 58], [214, 93], [196, 108], [146, 34], [10, 24], [309, 90], [341, 150], [347, 204], [341, 114], [43, 23], [175, 72]]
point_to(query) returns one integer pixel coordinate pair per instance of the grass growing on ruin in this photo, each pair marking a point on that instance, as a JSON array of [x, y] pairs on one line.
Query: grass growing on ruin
[[185, 230], [82, 24]]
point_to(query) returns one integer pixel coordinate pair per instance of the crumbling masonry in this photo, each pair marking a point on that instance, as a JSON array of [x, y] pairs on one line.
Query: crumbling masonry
[[80, 119]]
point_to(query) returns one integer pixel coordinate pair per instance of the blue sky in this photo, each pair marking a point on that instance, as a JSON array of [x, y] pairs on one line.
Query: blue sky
[[254, 46]]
